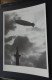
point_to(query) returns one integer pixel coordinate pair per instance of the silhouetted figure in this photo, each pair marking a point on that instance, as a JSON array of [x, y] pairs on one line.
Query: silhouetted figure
[[25, 23], [17, 56]]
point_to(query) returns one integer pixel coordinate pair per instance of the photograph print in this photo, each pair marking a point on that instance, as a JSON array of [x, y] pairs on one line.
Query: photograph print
[[25, 40]]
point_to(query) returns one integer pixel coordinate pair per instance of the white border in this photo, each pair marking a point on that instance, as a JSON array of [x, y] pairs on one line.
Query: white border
[[22, 69]]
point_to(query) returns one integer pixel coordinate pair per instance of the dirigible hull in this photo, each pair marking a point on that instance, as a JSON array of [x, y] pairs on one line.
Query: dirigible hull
[[25, 23]]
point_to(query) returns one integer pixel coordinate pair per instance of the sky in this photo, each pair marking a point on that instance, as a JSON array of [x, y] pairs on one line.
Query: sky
[[33, 38]]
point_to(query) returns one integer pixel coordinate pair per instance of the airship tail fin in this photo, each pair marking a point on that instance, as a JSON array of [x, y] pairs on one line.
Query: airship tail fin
[[33, 24]]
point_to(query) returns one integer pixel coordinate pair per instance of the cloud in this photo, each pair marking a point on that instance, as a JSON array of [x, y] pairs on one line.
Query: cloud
[[21, 43], [9, 39], [32, 61], [9, 20], [30, 42]]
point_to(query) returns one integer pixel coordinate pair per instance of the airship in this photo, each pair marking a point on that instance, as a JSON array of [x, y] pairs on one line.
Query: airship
[[25, 23]]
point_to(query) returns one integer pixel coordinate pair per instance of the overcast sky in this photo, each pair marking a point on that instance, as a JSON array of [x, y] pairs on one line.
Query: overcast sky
[[36, 34]]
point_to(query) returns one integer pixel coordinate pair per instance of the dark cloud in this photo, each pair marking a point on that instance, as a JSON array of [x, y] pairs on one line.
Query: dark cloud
[[31, 61], [9, 38], [7, 47], [42, 61], [9, 20], [7, 52], [8, 55], [22, 44], [8, 24]]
